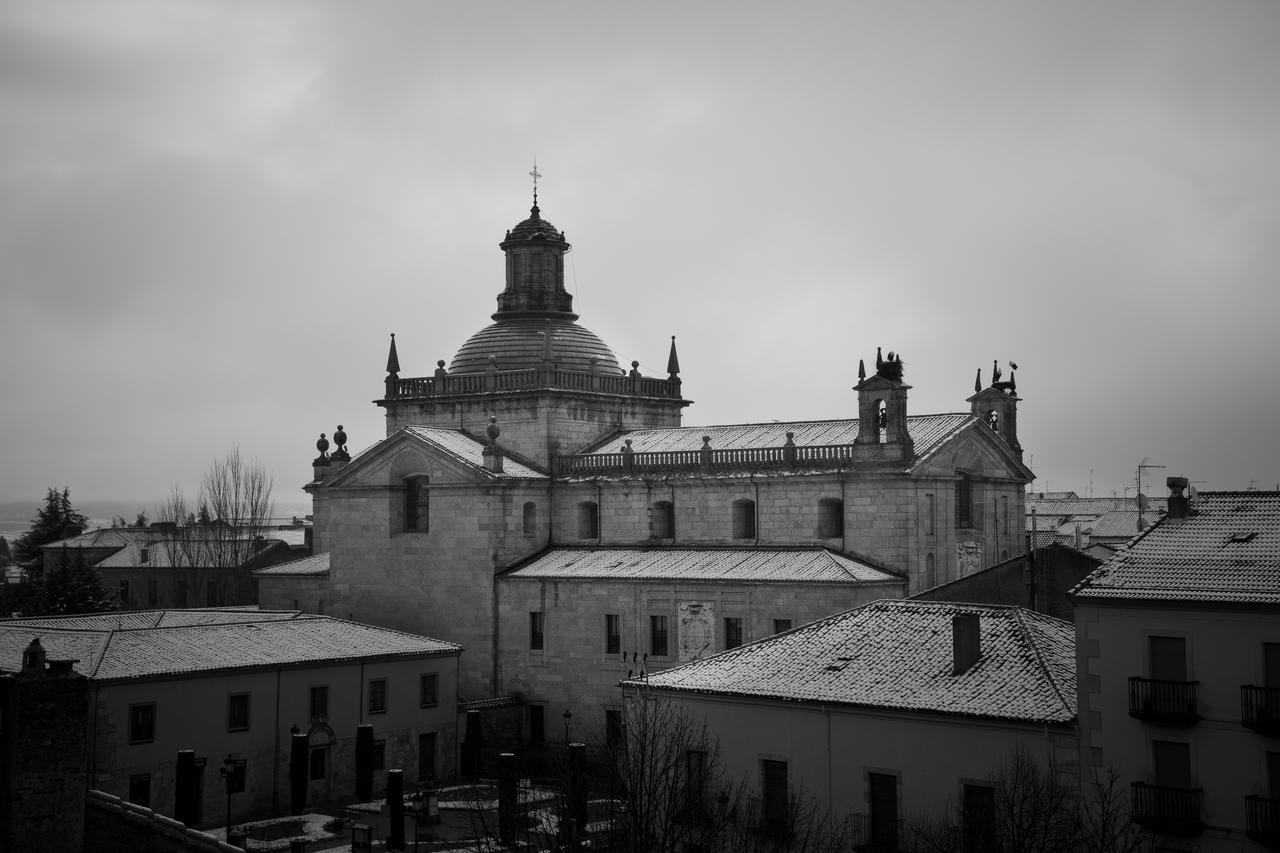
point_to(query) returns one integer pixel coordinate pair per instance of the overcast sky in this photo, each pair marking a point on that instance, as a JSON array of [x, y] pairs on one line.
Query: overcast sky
[[213, 214]]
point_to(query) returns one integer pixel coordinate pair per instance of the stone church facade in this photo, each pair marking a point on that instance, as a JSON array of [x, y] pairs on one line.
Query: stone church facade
[[534, 441]]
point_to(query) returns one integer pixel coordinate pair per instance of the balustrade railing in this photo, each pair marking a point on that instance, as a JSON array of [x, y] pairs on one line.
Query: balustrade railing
[[442, 384], [1160, 701], [1262, 820], [652, 462], [1260, 708], [1175, 811]]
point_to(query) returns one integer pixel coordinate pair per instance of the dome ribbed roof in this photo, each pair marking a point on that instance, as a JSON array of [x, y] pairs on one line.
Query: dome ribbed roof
[[518, 343], [534, 228]]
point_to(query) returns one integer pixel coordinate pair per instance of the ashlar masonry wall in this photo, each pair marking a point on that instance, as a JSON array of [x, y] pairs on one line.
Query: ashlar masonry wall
[[574, 670]]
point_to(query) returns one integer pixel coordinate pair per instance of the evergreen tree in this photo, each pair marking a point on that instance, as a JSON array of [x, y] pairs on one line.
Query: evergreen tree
[[72, 587], [49, 525], [5, 558]]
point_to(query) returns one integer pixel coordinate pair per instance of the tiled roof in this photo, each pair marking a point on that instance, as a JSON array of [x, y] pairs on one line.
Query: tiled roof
[[1048, 507], [163, 553], [1228, 551], [315, 565], [182, 643], [927, 432], [898, 655], [1119, 524], [103, 537], [731, 565], [466, 449]]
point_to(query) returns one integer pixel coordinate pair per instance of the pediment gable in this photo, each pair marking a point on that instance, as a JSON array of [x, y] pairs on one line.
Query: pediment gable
[[977, 451], [410, 452]]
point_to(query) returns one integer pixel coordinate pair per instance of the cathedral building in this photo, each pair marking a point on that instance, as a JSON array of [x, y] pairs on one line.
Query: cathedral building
[[541, 504]]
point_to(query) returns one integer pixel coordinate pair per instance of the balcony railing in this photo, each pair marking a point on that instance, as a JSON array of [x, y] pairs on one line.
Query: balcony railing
[[1173, 811], [1171, 702], [548, 376], [1262, 820], [1260, 709], [890, 834]]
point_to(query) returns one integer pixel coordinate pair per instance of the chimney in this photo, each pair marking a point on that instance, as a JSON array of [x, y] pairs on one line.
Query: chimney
[[966, 642], [1177, 500]]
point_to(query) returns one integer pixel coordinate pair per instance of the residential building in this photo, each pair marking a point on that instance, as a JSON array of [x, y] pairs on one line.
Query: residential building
[[233, 685], [1178, 639], [893, 712], [1038, 580]]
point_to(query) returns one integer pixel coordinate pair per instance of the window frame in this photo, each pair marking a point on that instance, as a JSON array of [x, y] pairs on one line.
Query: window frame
[[417, 504], [318, 758], [137, 734], [377, 689], [140, 789], [664, 520], [782, 625], [658, 629], [537, 631], [429, 698], [830, 518], [613, 633], [320, 691], [588, 520], [964, 502], [232, 713], [733, 632], [745, 524]]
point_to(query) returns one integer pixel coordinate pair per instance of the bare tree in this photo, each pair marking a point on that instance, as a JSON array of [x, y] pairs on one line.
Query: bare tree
[[234, 512]]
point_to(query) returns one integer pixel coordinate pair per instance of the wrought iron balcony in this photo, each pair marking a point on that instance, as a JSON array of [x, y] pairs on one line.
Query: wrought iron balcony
[[1170, 702], [1262, 820], [1260, 709], [1172, 811], [865, 838]]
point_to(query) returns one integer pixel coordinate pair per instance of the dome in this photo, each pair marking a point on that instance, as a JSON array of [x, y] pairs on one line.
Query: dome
[[518, 343], [534, 228]]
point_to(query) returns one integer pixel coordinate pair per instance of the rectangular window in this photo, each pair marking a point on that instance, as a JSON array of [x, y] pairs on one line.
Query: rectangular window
[[537, 723], [1168, 658], [612, 728], [1004, 514], [732, 632], [379, 755], [695, 774], [536, 636], [658, 636], [979, 818], [124, 593], [427, 757], [140, 789], [964, 502], [180, 594], [612, 633], [781, 625], [377, 696], [319, 763], [320, 702], [142, 723], [153, 593], [238, 712], [1172, 761], [428, 690], [774, 806], [882, 798], [928, 514], [417, 504], [211, 594]]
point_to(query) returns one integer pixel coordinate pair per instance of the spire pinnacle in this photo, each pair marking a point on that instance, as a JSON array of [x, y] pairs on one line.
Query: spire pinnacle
[[673, 361], [535, 174], [862, 370], [977, 381], [393, 360]]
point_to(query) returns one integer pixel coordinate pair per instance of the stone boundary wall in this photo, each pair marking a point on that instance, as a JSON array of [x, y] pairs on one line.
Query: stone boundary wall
[[113, 825]]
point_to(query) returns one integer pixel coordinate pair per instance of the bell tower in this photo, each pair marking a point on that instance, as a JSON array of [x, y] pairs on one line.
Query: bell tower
[[997, 405]]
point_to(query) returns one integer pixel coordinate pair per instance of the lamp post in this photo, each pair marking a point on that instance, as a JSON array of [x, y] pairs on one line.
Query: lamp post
[[568, 716], [228, 769]]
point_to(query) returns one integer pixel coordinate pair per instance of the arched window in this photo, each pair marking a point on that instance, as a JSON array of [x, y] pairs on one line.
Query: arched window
[[588, 520], [882, 419], [530, 518], [744, 519], [664, 520], [830, 518], [964, 501], [930, 572], [417, 504], [1004, 555]]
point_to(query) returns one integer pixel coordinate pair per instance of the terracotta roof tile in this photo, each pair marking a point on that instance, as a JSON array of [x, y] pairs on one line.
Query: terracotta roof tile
[[731, 565], [1227, 551], [468, 450], [313, 566], [180, 643], [898, 655]]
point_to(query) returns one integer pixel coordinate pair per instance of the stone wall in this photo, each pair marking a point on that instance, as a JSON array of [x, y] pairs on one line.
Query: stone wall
[[575, 672], [113, 825], [1058, 569]]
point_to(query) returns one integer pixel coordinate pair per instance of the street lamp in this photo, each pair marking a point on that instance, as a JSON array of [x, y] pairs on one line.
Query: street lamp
[[568, 716], [227, 770]]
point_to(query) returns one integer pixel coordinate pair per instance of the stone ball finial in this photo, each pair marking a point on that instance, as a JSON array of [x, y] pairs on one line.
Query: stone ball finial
[[340, 438], [492, 430], [440, 363], [322, 444]]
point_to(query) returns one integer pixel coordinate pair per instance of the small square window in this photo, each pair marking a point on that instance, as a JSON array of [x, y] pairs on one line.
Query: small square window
[[238, 712], [142, 723], [378, 696], [781, 625], [428, 690]]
